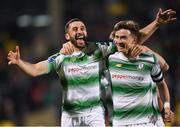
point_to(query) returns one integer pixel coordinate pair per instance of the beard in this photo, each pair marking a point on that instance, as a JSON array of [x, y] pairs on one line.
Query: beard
[[79, 41]]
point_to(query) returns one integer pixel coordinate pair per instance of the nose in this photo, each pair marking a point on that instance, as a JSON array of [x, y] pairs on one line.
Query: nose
[[79, 31]]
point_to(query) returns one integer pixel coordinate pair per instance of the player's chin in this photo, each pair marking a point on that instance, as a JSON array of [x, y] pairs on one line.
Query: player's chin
[[121, 49], [81, 44]]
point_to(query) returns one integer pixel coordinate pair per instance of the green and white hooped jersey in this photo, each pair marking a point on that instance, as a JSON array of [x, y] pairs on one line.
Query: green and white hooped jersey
[[80, 76], [133, 88]]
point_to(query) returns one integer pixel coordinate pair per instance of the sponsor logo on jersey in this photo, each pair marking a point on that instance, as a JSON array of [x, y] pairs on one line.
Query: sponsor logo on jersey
[[82, 69], [132, 77]]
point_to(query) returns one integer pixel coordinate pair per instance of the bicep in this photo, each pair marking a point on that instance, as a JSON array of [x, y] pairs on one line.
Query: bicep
[[163, 64]]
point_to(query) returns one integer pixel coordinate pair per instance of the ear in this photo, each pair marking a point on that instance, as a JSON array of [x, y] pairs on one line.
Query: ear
[[135, 41], [67, 36]]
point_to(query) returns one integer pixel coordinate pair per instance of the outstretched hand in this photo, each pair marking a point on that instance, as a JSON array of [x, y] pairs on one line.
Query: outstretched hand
[[166, 16], [14, 57]]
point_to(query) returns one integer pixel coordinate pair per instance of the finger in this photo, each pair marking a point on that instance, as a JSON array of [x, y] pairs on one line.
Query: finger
[[66, 48], [171, 12], [70, 48], [10, 54], [166, 11], [131, 50], [67, 52], [9, 58], [17, 50], [9, 63], [159, 12], [136, 51], [173, 19], [62, 51], [171, 15]]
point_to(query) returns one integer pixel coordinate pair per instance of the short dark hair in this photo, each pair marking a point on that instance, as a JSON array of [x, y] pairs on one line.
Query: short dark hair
[[69, 22], [126, 24]]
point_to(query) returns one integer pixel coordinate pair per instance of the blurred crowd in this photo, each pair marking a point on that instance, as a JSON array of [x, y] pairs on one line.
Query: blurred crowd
[[25, 100]]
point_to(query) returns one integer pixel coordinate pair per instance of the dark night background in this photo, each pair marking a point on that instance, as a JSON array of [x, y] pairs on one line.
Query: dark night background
[[37, 26]]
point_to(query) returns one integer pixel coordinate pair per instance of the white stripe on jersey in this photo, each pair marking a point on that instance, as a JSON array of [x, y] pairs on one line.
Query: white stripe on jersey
[[130, 102], [83, 92]]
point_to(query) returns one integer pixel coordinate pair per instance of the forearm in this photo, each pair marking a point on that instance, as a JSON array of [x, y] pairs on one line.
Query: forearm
[[160, 102], [147, 31], [164, 90], [33, 69]]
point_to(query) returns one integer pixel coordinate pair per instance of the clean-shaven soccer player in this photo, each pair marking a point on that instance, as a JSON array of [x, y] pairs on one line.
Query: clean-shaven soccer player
[[133, 80]]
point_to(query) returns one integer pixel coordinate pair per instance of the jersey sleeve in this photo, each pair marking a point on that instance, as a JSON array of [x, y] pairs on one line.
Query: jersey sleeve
[[156, 73], [107, 48], [54, 62]]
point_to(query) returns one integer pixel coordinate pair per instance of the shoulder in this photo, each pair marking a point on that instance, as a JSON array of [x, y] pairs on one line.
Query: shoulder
[[108, 43], [148, 56], [57, 58]]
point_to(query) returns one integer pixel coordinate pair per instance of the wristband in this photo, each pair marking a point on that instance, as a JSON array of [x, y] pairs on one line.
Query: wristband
[[166, 105]]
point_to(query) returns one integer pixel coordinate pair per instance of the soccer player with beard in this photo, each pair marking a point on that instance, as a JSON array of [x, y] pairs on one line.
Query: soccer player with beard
[[79, 73]]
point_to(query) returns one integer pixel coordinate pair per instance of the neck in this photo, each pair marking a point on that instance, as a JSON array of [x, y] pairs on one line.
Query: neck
[[77, 49]]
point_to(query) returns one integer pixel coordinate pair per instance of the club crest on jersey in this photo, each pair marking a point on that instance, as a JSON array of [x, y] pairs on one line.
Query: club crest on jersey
[[141, 66], [91, 57], [73, 59]]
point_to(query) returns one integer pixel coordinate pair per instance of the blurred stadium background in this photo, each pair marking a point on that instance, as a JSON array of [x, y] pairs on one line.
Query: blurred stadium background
[[37, 26]]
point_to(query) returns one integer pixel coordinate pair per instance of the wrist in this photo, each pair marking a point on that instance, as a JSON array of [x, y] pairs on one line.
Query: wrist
[[166, 105], [157, 23], [19, 62]]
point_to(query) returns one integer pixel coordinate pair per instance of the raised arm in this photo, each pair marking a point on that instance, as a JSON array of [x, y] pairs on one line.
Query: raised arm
[[162, 17], [31, 69]]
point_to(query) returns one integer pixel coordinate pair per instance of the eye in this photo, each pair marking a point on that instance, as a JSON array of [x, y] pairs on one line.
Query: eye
[[123, 37], [74, 28], [82, 28], [116, 36]]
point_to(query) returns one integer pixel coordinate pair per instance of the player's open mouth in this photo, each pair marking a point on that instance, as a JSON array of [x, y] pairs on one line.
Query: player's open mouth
[[121, 46], [80, 38]]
